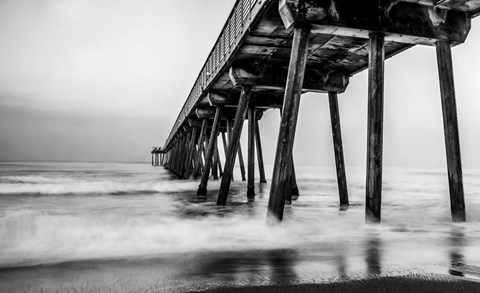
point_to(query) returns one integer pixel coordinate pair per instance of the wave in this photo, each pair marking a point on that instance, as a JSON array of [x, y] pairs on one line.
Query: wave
[[60, 186]]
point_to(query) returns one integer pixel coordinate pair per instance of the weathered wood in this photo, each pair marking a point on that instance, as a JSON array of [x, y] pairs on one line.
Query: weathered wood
[[272, 76], [233, 145], [398, 20], [283, 156], [215, 162], [258, 141], [294, 193], [216, 99], [224, 140], [450, 126], [338, 148], [375, 128], [202, 189], [251, 152], [191, 153], [186, 154], [241, 162], [201, 139], [219, 161]]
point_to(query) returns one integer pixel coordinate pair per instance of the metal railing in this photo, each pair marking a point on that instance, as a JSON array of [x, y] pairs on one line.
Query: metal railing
[[243, 14]]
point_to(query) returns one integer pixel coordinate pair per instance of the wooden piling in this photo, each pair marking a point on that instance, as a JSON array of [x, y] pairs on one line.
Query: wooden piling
[[201, 139], [258, 141], [241, 162], [251, 152], [338, 148], [375, 128], [191, 153], [233, 145], [294, 192], [219, 161], [291, 103], [202, 189], [229, 133], [185, 155], [450, 126], [215, 162], [153, 155]]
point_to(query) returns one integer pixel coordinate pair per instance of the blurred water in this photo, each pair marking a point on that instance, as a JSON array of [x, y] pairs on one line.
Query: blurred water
[[135, 225]]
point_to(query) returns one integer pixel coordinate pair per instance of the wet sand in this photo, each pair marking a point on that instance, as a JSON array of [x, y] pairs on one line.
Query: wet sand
[[411, 283]]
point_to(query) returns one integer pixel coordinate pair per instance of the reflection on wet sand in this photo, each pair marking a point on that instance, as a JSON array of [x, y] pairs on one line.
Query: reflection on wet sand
[[456, 242], [373, 255], [248, 267]]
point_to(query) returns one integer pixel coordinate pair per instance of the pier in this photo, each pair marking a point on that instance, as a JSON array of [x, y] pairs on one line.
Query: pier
[[270, 52]]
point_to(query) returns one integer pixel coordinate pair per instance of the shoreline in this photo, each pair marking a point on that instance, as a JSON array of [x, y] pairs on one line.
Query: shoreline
[[407, 283]]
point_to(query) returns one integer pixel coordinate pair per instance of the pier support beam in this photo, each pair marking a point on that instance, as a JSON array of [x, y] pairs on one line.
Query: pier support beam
[[258, 141], [450, 126], [202, 189], [219, 161], [234, 144], [283, 157], [338, 148], [241, 162], [191, 153], [251, 152], [294, 192], [375, 128], [200, 144]]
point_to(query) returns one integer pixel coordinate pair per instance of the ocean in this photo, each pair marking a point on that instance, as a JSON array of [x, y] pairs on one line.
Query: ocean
[[131, 227]]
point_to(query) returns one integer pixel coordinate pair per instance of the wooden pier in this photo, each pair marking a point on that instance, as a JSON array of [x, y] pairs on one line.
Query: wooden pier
[[270, 52]]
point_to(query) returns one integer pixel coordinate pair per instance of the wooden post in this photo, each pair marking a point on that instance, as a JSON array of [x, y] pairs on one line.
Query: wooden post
[[202, 189], [233, 145], [450, 127], [191, 153], [294, 193], [251, 152], [185, 154], [229, 130], [201, 140], [224, 140], [375, 128], [219, 161], [215, 161], [338, 148], [291, 104], [153, 155], [261, 167], [241, 161]]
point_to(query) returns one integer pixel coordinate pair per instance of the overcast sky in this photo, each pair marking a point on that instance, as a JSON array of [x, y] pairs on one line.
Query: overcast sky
[[103, 80]]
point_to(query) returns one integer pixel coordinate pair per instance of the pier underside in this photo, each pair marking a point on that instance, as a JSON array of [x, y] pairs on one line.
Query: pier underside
[[271, 52]]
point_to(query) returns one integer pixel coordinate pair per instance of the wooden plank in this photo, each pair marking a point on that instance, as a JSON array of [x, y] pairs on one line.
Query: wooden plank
[[283, 156], [338, 148], [202, 189], [258, 141], [375, 128], [233, 145], [251, 152], [450, 126]]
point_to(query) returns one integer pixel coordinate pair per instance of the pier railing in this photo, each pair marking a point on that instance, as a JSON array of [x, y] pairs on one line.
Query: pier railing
[[244, 13]]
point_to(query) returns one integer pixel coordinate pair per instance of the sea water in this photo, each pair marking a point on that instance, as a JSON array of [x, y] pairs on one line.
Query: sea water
[[99, 227]]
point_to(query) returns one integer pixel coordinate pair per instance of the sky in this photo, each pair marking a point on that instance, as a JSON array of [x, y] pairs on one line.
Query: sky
[[104, 80]]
